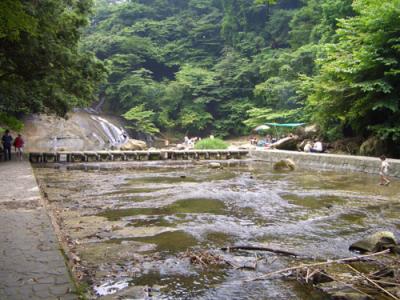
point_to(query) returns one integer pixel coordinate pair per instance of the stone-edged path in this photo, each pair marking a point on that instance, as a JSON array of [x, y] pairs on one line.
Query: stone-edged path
[[31, 263]]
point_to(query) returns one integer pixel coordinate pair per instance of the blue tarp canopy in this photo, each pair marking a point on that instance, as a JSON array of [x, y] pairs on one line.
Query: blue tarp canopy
[[285, 124]]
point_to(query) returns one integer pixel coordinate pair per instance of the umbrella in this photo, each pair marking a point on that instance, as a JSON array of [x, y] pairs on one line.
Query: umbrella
[[262, 128]]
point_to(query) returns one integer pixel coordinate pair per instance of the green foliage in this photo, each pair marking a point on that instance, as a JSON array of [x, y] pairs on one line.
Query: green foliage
[[357, 87], [258, 116], [195, 63], [142, 120], [41, 66], [226, 66], [10, 122], [14, 19], [209, 144]]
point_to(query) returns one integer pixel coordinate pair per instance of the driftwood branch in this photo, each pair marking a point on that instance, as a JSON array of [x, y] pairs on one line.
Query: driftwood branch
[[325, 263], [348, 285], [253, 248], [373, 283]]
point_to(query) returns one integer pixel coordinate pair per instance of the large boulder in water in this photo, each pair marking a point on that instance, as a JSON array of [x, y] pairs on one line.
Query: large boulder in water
[[376, 242], [132, 145], [285, 164], [287, 143]]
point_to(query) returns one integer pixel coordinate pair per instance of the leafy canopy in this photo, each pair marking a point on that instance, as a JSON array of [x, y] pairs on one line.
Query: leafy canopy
[[41, 65]]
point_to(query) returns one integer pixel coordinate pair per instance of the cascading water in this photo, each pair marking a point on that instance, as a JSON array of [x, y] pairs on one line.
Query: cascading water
[[82, 130], [116, 136]]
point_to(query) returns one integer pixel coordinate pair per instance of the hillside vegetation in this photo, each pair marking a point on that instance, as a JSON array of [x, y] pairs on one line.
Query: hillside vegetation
[[41, 67]]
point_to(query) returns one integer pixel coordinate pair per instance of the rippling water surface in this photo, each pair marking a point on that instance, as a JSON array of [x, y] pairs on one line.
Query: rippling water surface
[[132, 223]]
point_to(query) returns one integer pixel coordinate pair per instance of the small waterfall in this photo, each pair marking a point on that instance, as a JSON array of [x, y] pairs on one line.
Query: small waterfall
[[54, 144], [116, 136]]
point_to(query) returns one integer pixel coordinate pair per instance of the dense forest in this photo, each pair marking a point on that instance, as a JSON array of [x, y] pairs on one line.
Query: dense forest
[[209, 66], [42, 68]]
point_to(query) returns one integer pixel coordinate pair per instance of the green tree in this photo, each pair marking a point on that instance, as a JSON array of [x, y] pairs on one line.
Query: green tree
[[142, 120], [357, 88], [41, 66]]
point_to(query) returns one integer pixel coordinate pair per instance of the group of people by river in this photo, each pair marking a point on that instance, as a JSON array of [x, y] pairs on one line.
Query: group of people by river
[[7, 142], [265, 142], [315, 147]]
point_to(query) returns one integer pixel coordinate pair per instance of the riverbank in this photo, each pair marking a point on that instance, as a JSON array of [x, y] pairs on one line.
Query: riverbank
[[32, 265], [327, 161]]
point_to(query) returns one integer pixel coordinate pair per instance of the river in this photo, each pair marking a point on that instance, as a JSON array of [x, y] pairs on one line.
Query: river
[[131, 224]]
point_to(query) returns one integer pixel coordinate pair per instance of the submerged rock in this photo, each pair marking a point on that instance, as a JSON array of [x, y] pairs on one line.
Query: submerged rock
[[132, 145], [374, 243], [285, 164]]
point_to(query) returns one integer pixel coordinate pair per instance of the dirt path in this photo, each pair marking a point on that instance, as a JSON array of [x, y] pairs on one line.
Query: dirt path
[[31, 263]]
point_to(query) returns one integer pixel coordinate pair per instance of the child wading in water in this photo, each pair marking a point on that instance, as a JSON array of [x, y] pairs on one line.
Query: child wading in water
[[383, 171]]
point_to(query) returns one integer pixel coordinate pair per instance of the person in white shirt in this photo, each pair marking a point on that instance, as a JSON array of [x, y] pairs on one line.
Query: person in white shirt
[[383, 171], [308, 147], [317, 148]]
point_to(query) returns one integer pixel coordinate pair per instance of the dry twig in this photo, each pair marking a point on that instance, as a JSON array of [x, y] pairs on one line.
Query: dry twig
[[373, 283], [329, 262]]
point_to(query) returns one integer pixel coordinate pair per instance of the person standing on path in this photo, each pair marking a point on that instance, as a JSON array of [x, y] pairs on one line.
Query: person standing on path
[[383, 171], [19, 146], [7, 142]]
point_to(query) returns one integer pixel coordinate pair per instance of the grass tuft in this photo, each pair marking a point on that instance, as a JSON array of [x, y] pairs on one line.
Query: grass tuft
[[208, 143]]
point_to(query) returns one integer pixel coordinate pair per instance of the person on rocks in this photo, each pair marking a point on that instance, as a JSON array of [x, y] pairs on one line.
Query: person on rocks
[[383, 171], [308, 147], [19, 146], [268, 139], [317, 148], [7, 142], [253, 140], [186, 141]]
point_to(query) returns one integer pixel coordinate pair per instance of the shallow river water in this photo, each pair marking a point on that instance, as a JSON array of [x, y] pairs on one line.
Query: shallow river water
[[132, 223]]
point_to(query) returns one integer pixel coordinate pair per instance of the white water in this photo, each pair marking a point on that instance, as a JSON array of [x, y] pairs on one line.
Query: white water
[[116, 136], [82, 130]]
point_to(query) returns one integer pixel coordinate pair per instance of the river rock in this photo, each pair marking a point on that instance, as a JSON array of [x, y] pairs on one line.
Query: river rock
[[180, 147], [375, 242], [132, 145], [373, 146], [287, 143], [214, 165], [285, 164], [345, 146]]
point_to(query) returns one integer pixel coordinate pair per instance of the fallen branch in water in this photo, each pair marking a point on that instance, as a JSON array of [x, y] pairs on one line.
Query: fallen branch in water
[[253, 248], [348, 285], [325, 263], [373, 283]]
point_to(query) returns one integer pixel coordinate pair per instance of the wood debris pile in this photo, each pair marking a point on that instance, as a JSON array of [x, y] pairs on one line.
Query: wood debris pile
[[351, 278], [203, 258]]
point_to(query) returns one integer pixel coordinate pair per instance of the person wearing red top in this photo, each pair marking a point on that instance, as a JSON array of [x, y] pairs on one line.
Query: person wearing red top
[[19, 146]]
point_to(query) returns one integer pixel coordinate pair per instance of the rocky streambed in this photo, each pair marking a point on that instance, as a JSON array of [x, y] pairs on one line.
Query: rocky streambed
[[128, 226]]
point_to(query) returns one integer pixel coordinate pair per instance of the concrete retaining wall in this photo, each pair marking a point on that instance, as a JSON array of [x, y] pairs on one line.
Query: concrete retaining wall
[[329, 161]]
